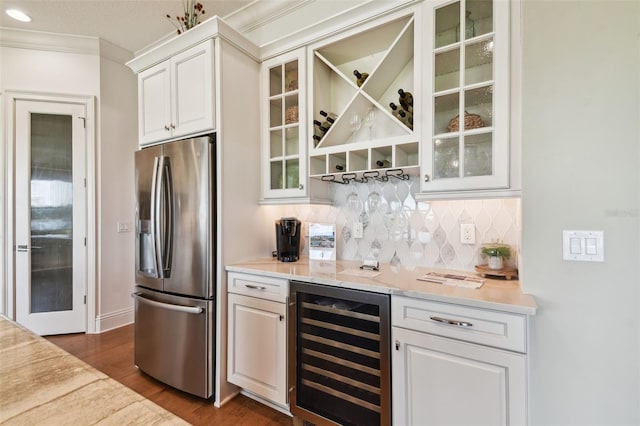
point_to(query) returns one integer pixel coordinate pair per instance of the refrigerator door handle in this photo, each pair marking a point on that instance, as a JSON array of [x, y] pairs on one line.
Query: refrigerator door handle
[[178, 308], [167, 254], [162, 212], [155, 219]]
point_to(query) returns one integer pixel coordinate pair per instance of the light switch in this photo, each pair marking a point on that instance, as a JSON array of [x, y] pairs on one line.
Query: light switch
[[124, 227], [574, 245], [586, 246], [591, 245]]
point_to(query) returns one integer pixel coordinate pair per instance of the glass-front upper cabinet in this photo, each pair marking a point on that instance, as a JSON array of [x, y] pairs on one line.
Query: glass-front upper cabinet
[[284, 150], [466, 138]]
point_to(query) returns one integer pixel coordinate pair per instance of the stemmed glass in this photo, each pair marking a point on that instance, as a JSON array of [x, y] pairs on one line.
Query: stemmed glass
[[369, 119], [355, 122]]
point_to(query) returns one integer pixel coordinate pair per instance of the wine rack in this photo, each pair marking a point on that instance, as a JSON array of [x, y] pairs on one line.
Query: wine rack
[[365, 130]]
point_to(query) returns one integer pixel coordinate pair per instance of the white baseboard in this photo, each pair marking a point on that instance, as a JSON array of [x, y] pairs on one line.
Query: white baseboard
[[113, 320]]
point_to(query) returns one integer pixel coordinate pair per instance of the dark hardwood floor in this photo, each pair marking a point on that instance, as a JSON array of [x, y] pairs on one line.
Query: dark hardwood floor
[[112, 353]]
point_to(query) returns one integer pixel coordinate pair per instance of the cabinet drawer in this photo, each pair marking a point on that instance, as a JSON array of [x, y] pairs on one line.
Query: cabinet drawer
[[486, 327], [276, 289]]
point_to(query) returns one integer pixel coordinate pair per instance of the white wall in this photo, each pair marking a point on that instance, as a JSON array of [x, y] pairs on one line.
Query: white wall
[[118, 142], [42, 71], [581, 116], [50, 72], [114, 87]]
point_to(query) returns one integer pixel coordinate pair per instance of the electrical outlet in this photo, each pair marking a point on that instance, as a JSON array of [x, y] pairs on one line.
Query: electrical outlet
[[358, 231], [467, 233]]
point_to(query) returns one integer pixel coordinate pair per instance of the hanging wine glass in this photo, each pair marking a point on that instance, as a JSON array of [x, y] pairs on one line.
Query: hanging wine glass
[[369, 119], [355, 122]]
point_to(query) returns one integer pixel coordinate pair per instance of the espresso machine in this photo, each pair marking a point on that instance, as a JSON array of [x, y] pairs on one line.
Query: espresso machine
[[288, 239]]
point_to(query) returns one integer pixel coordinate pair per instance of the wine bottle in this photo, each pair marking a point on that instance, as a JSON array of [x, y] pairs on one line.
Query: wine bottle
[[405, 100], [406, 118], [395, 110], [321, 127], [329, 116], [316, 140], [340, 167], [328, 120], [383, 163], [360, 77]]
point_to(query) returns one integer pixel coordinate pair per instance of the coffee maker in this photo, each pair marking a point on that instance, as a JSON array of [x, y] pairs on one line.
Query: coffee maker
[[288, 239]]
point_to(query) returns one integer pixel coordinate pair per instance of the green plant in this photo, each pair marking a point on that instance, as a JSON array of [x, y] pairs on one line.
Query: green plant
[[497, 250]]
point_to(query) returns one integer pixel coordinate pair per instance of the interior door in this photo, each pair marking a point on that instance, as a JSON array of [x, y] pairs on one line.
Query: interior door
[[50, 212]]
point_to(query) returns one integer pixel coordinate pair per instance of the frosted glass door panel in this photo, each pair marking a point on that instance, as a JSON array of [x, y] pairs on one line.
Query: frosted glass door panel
[[50, 216], [51, 213]]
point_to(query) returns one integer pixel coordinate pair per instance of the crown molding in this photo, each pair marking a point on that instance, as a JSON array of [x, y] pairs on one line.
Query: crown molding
[[279, 26], [213, 27], [62, 43], [41, 40]]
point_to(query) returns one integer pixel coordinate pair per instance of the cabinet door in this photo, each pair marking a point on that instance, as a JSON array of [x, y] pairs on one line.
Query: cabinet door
[[154, 103], [283, 137], [440, 381], [192, 90], [257, 356], [466, 143]]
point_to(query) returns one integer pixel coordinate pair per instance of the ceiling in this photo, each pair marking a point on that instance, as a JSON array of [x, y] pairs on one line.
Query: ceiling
[[130, 24]]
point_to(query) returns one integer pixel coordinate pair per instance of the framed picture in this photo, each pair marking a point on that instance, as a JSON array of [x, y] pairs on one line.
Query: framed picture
[[322, 241]]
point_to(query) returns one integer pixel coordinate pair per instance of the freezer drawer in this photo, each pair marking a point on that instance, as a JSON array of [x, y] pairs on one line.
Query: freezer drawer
[[174, 340]]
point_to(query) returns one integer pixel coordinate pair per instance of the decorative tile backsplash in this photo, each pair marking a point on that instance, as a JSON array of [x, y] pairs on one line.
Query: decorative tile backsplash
[[397, 228]]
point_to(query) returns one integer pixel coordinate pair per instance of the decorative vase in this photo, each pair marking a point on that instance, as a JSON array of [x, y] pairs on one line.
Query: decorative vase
[[495, 262]]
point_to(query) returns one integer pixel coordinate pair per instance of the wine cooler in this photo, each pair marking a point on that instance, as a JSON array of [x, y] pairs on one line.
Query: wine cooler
[[339, 361]]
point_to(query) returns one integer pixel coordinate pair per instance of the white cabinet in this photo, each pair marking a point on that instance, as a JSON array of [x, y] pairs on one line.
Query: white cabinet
[[176, 97], [285, 177], [367, 139], [457, 365], [257, 327], [466, 144]]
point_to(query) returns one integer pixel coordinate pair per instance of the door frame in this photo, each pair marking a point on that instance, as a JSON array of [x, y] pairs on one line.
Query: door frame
[[7, 197]]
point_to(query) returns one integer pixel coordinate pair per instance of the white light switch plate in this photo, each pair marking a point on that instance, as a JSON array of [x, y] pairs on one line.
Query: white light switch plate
[[124, 226], [585, 246]]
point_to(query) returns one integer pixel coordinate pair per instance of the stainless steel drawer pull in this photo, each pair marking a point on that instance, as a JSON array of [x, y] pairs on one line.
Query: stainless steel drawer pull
[[169, 306], [255, 287], [452, 322]]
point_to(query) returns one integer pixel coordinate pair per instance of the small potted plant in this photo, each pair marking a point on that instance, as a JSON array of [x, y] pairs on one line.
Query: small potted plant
[[496, 253]]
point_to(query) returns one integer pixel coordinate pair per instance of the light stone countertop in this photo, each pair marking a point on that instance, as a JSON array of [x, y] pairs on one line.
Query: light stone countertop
[[496, 294]]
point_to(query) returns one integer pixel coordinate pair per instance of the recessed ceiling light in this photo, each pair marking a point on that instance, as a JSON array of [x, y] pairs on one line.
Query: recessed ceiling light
[[18, 15]]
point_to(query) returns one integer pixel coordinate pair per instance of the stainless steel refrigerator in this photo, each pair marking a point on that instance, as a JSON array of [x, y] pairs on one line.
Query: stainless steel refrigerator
[[175, 263]]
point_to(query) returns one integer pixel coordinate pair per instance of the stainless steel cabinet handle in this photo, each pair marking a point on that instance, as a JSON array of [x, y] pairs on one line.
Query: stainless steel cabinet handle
[[426, 178], [22, 247], [301, 187], [166, 128], [255, 287], [452, 322], [179, 308]]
